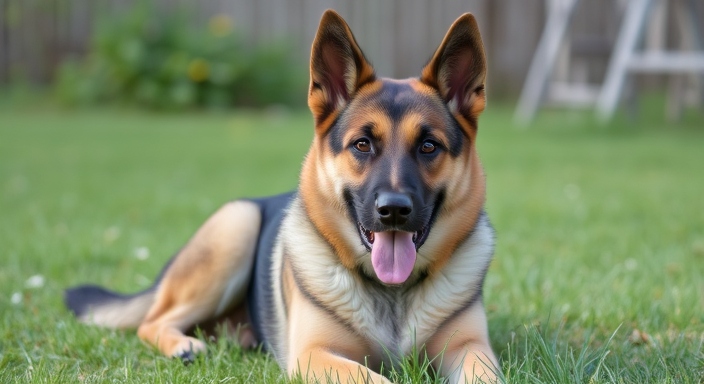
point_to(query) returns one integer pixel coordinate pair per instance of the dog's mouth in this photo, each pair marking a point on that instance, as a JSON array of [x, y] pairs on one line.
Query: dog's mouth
[[393, 253], [418, 237]]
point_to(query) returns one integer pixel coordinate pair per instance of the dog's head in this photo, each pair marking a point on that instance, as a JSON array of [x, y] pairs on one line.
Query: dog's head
[[392, 180]]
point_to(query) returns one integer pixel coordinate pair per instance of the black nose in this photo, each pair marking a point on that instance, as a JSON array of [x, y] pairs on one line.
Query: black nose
[[393, 208]]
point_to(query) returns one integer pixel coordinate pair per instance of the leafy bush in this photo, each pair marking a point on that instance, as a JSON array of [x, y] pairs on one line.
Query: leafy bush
[[159, 59]]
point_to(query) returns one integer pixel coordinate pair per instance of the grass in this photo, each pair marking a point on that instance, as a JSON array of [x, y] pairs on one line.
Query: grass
[[598, 274]]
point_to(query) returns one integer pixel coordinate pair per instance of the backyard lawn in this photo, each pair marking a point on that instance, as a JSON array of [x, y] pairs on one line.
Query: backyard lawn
[[598, 273]]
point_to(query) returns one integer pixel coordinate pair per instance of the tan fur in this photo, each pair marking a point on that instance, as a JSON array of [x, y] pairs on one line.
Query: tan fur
[[325, 211], [464, 205], [463, 344], [215, 264], [321, 348]]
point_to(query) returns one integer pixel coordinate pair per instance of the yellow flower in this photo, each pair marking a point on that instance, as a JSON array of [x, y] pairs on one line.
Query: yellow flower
[[198, 70], [220, 25]]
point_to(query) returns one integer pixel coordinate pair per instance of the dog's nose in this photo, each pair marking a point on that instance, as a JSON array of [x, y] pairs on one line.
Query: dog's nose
[[393, 208]]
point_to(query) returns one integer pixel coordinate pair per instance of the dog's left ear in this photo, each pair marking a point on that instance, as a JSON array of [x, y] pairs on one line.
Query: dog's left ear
[[338, 68], [458, 69]]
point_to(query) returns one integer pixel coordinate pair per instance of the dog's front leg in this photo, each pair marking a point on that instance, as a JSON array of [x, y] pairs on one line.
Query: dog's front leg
[[321, 365], [323, 348], [207, 277], [464, 344]]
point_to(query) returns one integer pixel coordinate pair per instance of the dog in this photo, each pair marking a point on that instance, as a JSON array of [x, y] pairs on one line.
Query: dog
[[381, 250]]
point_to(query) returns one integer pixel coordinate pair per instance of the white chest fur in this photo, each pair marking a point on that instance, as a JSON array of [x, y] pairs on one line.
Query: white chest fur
[[394, 318]]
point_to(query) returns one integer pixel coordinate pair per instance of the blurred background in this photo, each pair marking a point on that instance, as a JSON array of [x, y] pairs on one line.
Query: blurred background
[[125, 123], [175, 53]]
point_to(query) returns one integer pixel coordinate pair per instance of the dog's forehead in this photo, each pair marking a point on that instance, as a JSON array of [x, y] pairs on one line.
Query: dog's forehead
[[396, 98]]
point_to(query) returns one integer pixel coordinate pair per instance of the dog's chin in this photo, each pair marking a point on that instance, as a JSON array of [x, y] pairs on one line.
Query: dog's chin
[[367, 236]]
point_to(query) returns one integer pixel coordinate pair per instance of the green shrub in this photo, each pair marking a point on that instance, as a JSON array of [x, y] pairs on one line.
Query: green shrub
[[160, 59]]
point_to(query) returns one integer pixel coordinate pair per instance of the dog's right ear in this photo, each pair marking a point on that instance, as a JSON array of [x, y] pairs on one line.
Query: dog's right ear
[[338, 69]]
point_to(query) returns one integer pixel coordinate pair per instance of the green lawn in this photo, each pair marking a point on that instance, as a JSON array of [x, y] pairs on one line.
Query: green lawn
[[598, 274]]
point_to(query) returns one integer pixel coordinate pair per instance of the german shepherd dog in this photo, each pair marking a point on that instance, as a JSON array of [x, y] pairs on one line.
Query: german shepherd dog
[[382, 249]]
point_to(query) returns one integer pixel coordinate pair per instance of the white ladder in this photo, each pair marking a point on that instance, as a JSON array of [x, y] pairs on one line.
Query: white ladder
[[625, 59], [546, 55]]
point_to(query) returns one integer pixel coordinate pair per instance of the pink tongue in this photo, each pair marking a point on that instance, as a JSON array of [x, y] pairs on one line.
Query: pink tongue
[[393, 256]]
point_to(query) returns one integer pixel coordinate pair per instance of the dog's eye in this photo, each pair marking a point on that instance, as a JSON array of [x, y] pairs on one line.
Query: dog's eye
[[428, 147], [363, 145]]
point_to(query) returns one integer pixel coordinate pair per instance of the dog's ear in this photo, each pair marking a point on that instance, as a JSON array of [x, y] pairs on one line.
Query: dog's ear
[[458, 69], [337, 68]]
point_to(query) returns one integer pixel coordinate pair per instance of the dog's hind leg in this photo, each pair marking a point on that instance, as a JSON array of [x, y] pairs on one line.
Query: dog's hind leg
[[209, 276]]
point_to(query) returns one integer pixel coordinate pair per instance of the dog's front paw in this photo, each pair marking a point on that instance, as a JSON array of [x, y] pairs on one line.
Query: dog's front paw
[[187, 349]]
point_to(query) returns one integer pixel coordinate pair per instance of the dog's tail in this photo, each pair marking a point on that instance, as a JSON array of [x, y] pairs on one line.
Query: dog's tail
[[95, 305]]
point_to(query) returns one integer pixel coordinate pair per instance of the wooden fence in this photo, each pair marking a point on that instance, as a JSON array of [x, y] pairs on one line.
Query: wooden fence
[[397, 35]]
